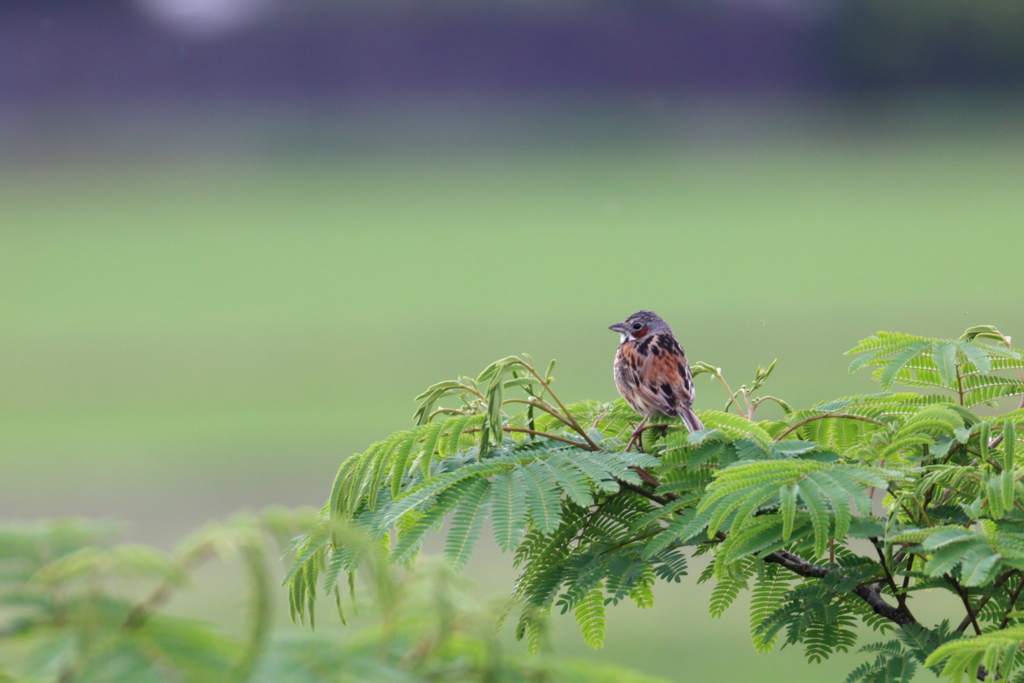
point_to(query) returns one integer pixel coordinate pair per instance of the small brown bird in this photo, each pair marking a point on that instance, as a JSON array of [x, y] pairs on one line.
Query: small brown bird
[[651, 371]]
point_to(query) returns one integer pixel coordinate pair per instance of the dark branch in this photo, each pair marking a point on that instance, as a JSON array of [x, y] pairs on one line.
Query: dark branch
[[869, 594], [965, 597], [984, 601], [1012, 605], [660, 500], [885, 568]]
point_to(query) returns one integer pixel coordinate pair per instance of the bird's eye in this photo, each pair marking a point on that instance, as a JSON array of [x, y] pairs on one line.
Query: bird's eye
[[637, 326]]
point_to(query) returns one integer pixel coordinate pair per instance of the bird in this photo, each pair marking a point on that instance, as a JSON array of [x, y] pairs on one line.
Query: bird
[[651, 371]]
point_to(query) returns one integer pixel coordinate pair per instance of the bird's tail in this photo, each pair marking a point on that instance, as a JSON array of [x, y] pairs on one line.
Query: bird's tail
[[690, 419]]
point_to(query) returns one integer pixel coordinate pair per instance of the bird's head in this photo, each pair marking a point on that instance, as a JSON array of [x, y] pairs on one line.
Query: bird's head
[[639, 325]]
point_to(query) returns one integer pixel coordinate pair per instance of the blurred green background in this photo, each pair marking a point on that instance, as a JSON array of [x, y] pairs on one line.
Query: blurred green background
[[187, 333]]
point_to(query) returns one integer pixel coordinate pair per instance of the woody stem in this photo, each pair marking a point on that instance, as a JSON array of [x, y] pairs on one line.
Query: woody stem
[[571, 421]]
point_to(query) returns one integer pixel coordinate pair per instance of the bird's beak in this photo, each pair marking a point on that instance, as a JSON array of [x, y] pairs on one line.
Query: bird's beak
[[618, 327]]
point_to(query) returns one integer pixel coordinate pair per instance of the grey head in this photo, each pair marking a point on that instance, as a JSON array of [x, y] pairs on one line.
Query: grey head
[[639, 325]]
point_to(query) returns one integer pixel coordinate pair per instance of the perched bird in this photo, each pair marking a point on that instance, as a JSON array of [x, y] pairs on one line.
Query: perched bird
[[651, 371]]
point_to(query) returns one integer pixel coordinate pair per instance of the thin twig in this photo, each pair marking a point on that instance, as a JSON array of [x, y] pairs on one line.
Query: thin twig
[[543, 405], [984, 601], [906, 579], [590, 518], [885, 568], [728, 390], [641, 537], [959, 383], [453, 411], [824, 416], [996, 440], [1013, 603], [544, 434], [965, 597], [573, 422], [660, 500]]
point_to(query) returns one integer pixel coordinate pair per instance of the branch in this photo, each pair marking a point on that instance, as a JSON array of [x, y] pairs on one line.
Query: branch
[[641, 537], [524, 430], [906, 578], [732, 396], [812, 418], [996, 440], [959, 385], [543, 405], [1013, 603], [900, 598], [453, 411], [568, 415], [872, 596], [966, 599], [984, 601], [545, 435], [900, 616], [660, 500]]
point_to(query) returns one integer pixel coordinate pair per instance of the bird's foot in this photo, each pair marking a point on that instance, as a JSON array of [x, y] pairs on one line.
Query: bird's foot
[[637, 437]]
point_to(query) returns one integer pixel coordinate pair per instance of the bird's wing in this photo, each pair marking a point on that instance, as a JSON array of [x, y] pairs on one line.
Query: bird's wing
[[666, 382]]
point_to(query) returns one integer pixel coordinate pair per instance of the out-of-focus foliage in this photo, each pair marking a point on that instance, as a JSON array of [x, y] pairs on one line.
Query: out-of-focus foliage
[[76, 607], [431, 628], [967, 42], [833, 515]]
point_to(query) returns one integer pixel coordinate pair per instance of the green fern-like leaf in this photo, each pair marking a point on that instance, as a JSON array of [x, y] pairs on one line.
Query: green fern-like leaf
[[379, 464], [602, 478], [944, 356], [887, 374], [533, 628], [455, 427], [814, 499], [882, 344], [467, 523], [541, 497], [431, 438], [590, 617], [642, 594], [571, 480], [735, 426], [725, 593], [301, 579], [833, 631], [400, 462], [508, 510], [432, 517], [771, 585], [964, 656]]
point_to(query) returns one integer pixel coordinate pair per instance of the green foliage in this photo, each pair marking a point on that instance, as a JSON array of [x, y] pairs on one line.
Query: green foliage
[[76, 607], [834, 515], [87, 609], [772, 584], [591, 617], [964, 366]]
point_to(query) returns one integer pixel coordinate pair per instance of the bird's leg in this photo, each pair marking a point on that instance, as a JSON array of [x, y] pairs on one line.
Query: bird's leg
[[637, 436]]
